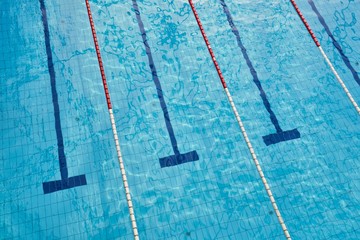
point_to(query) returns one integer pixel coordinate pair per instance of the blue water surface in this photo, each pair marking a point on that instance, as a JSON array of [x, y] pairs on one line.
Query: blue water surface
[[314, 178]]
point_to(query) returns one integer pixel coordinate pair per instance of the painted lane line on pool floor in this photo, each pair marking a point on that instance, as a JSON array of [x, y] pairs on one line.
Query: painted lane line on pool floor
[[66, 182], [335, 43], [241, 125], [280, 135], [325, 56], [177, 158], [113, 125]]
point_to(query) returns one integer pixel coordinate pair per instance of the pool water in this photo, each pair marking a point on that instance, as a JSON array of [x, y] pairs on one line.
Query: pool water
[[314, 177]]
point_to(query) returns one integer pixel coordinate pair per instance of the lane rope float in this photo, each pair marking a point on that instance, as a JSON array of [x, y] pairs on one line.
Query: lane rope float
[[317, 43], [113, 126], [243, 131]]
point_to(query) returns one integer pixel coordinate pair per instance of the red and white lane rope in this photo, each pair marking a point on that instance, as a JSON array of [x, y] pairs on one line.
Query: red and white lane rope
[[325, 56], [243, 131], [113, 126]]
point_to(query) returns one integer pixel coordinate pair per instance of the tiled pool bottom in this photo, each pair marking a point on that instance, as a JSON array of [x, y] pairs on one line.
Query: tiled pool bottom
[[314, 177]]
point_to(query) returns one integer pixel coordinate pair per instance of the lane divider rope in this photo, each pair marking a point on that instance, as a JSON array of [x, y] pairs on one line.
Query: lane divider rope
[[113, 126], [317, 43], [243, 131]]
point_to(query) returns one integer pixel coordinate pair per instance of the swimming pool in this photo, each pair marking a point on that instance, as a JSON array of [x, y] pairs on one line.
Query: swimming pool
[[55, 120]]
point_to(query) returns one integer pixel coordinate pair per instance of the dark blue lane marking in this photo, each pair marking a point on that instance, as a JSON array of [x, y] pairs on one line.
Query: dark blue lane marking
[[280, 135], [178, 158], [65, 181], [336, 44]]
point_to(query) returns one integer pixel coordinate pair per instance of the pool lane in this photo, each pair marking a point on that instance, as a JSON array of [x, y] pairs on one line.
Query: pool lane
[[66, 182], [241, 125], [30, 137], [280, 135], [339, 79], [113, 126], [335, 42], [177, 158]]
